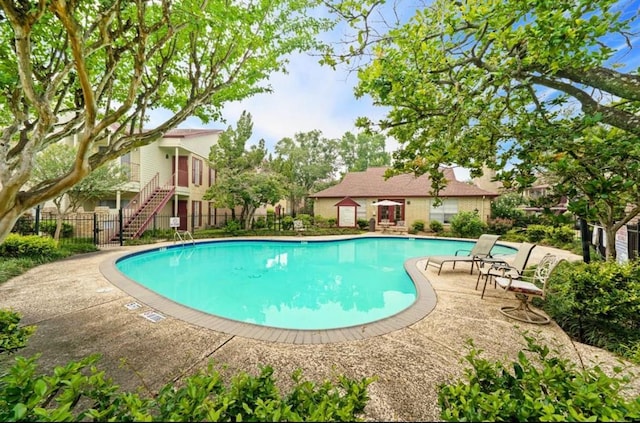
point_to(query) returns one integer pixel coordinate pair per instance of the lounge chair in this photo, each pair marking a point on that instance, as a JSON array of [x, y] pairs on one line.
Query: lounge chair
[[526, 287], [490, 268], [481, 249], [298, 226]]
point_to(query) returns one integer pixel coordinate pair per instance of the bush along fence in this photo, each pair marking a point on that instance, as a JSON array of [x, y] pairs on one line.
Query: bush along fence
[[103, 228]]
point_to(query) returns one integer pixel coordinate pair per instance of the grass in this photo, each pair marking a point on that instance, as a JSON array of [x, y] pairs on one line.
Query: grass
[[11, 267]]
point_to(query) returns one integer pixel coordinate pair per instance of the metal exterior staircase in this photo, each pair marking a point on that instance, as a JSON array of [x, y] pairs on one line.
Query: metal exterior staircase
[[139, 212]]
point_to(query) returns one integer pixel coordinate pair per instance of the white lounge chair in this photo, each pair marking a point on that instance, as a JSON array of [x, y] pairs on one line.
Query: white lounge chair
[[481, 249], [298, 225]]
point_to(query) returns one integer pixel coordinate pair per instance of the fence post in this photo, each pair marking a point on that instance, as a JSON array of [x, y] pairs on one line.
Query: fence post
[[154, 224], [120, 226], [95, 229], [36, 225], [586, 240]]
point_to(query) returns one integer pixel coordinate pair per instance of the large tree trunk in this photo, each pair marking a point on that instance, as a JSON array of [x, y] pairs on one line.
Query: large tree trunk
[[59, 222], [8, 218], [249, 213], [610, 243]]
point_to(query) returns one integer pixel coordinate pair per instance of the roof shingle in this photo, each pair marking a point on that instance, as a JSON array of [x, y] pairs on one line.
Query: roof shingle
[[371, 183]]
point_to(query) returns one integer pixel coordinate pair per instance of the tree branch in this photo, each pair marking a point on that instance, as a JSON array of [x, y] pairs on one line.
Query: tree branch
[[610, 115]]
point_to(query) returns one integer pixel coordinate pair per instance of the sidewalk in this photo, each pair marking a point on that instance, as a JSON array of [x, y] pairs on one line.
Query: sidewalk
[[79, 312]]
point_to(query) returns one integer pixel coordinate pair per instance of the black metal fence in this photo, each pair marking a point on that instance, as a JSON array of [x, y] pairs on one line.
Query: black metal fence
[[104, 229]]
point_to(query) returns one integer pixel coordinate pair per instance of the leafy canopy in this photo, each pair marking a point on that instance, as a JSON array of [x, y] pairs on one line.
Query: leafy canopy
[[94, 70], [465, 80], [243, 175]]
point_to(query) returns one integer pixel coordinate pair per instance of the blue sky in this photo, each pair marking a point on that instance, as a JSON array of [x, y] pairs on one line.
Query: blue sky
[[313, 97]]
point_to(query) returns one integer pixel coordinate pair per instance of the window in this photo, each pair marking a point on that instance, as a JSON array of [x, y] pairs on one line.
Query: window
[[197, 213], [125, 159], [445, 211], [196, 177], [212, 177]]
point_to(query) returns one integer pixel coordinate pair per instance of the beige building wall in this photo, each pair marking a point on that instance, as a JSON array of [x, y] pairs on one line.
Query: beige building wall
[[486, 183], [415, 208], [469, 204]]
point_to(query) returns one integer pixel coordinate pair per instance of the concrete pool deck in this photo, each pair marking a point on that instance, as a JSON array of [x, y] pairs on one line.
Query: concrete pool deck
[[79, 312]]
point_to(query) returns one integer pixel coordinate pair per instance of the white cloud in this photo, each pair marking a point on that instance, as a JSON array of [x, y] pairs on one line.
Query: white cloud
[[309, 97]]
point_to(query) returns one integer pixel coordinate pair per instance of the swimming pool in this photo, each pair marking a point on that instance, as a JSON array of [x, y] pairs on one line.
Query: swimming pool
[[290, 284]]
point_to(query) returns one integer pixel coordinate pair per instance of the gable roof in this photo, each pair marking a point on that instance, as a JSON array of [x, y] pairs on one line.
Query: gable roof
[[371, 183], [347, 201], [189, 133]]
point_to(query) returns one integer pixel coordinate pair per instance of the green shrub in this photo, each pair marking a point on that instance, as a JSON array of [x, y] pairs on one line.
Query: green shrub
[[562, 235], [13, 336], [158, 233], [76, 247], [467, 225], [536, 233], [80, 391], [436, 226], [287, 223], [598, 304], [320, 222], [551, 218], [307, 219], [418, 225], [271, 219], [515, 235], [363, 223], [507, 206], [49, 227], [332, 222], [34, 246], [260, 223], [500, 225], [232, 227], [535, 387]]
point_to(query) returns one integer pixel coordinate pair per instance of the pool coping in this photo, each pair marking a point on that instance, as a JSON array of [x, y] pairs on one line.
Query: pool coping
[[425, 302]]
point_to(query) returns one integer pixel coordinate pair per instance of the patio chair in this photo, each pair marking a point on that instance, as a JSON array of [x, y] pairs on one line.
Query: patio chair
[[490, 268], [526, 287], [298, 226], [481, 249]]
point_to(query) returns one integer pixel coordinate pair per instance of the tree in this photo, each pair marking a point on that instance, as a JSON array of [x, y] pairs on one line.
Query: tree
[[465, 79], [56, 160], [243, 175], [94, 71], [359, 152], [599, 171], [305, 161]]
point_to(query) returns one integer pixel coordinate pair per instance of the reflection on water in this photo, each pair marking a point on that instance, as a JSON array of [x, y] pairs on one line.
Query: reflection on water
[[315, 285]]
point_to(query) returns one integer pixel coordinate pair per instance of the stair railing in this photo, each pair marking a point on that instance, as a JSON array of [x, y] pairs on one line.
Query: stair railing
[[140, 198], [169, 185]]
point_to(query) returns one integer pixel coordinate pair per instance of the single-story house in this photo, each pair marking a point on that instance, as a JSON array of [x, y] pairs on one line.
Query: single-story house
[[358, 196]]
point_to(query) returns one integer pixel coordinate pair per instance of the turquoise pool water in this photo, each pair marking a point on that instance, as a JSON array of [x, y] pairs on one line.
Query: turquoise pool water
[[290, 284]]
